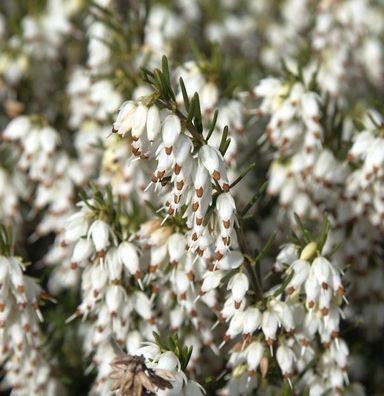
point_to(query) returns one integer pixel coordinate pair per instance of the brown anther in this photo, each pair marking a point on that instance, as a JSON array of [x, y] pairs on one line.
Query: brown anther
[[180, 185], [226, 241], [190, 276], [237, 304], [226, 338], [216, 175], [199, 192], [324, 311], [174, 263], [218, 255], [136, 152], [250, 373], [183, 296], [116, 282], [324, 285], [151, 321], [154, 179], [269, 341], [152, 268], [73, 265], [210, 267], [334, 334], [340, 291], [195, 206], [225, 187], [199, 221], [194, 237], [171, 211], [290, 290], [199, 252], [137, 274], [316, 119], [20, 288], [168, 150], [176, 198], [100, 328], [177, 169], [311, 304], [160, 174], [95, 293], [227, 223], [100, 253]]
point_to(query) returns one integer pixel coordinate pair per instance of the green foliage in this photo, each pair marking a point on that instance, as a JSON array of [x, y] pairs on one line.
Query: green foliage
[[173, 344]]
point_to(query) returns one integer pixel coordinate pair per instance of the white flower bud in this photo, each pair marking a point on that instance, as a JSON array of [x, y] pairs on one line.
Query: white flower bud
[[139, 121], [124, 121], [128, 255], [235, 325], [285, 358], [209, 96], [239, 285], [170, 132], [300, 270], [225, 206], [114, 265], [99, 231], [269, 326], [252, 320], [232, 260], [114, 298], [312, 290], [211, 280], [310, 105], [77, 227], [176, 248], [168, 361], [82, 251], [284, 314], [4, 268], [254, 354], [48, 139], [99, 278], [211, 161], [181, 150], [362, 144], [17, 128], [143, 306], [153, 123], [321, 270]]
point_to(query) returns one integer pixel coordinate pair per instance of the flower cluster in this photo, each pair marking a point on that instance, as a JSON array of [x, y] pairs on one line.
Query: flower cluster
[[26, 368], [207, 212]]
